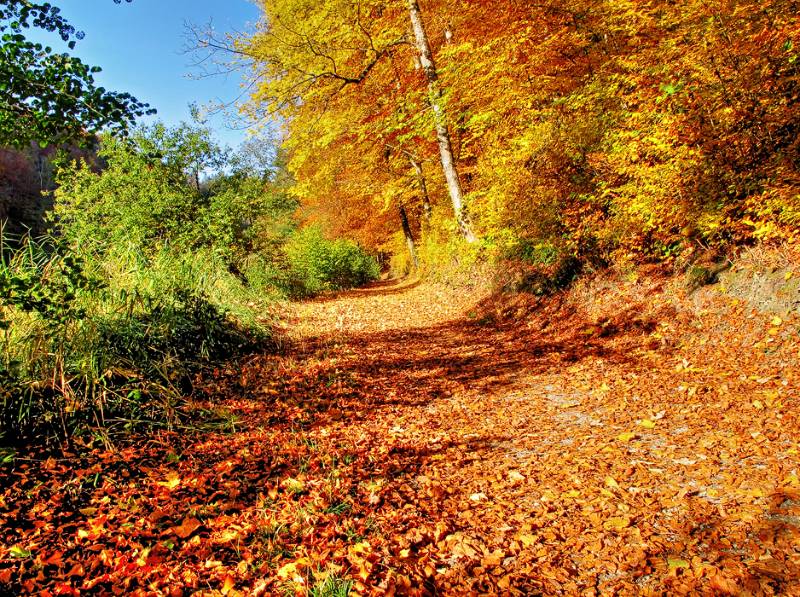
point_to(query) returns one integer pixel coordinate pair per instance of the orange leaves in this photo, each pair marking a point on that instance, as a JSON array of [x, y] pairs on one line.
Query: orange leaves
[[294, 571], [504, 457], [463, 546], [724, 585], [186, 528], [229, 535], [228, 584]]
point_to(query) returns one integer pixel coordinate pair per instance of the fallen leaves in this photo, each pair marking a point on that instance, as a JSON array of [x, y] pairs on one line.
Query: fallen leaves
[[515, 477], [172, 481], [186, 528], [616, 523], [432, 451], [677, 564], [294, 570]]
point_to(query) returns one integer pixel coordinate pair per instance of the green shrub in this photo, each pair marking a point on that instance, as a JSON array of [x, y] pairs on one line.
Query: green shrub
[[317, 264], [101, 341]]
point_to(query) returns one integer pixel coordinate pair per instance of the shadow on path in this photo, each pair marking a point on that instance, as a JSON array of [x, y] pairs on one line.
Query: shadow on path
[[359, 371]]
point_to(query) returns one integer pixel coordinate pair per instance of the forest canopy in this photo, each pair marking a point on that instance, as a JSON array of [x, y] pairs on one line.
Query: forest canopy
[[590, 129]]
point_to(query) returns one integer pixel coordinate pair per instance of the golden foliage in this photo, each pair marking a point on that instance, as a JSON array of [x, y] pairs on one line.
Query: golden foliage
[[598, 127]]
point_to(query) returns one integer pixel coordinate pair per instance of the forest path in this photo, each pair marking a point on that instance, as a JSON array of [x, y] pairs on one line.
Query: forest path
[[553, 452], [415, 439], [548, 451]]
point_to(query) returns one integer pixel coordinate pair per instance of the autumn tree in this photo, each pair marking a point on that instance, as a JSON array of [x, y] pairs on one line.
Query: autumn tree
[[586, 130], [351, 70]]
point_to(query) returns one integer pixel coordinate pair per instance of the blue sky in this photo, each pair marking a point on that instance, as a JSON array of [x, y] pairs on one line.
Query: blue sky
[[140, 45]]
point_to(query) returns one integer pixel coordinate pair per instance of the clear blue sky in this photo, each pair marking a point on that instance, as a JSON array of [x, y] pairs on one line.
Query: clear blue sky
[[140, 46]]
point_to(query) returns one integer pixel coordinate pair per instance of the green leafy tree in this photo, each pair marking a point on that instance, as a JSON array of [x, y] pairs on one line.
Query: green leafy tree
[[48, 96], [146, 197], [134, 201], [188, 150]]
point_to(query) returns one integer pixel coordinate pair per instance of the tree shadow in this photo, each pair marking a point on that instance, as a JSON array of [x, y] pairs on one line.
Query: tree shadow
[[279, 397], [733, 549], [416, 366]]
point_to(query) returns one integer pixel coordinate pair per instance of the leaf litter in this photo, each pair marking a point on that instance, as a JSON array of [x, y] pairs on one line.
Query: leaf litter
[[403, 445]]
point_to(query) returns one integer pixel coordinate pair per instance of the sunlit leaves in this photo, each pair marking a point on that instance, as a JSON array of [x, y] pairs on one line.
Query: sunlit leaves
[[416, 445], [610, 129], [49, 96]]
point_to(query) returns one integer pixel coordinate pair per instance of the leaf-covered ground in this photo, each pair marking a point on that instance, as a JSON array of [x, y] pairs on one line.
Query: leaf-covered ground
[[622, 438]]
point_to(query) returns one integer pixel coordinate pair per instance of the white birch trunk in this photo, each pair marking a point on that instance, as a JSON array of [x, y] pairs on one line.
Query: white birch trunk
[[440, 119]]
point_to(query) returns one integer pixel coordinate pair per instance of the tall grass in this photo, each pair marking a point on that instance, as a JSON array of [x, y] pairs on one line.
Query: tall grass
[[111, 342]]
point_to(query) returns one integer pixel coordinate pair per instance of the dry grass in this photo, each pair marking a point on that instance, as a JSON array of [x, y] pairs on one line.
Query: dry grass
[[766, 278]]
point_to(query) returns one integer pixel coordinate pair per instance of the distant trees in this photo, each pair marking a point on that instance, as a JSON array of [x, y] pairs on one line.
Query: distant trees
[[187, 149]]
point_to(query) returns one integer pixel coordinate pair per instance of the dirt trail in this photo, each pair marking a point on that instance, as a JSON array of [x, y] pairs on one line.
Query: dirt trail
[[413, 439], [560, 453]]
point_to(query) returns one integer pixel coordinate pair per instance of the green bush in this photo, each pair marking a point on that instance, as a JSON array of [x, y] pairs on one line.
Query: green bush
[[316, 264], [102, 342]]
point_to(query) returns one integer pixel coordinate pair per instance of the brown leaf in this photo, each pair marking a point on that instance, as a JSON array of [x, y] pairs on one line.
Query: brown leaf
[[186, 528]]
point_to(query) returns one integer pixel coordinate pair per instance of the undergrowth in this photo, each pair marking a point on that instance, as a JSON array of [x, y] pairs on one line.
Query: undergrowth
[[87, 344], [145, 280]]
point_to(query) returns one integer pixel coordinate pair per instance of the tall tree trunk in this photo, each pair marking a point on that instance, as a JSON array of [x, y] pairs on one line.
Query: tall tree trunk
[[412, 249], [440, 119], [427, 211]]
